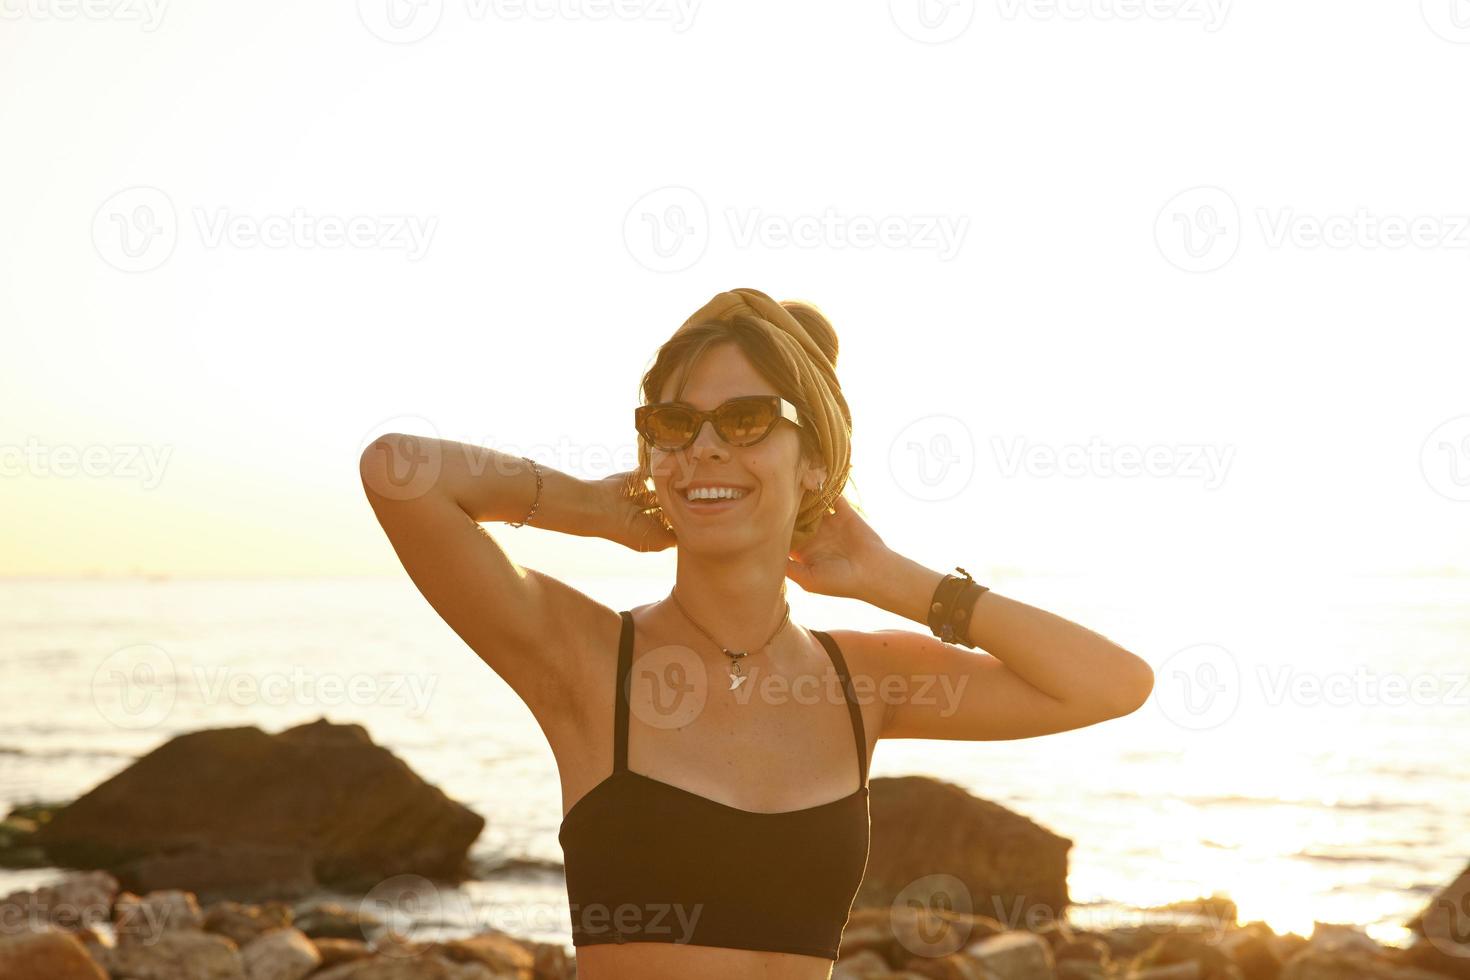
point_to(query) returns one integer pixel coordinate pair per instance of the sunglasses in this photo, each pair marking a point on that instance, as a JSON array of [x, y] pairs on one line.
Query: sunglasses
[[742, 421]]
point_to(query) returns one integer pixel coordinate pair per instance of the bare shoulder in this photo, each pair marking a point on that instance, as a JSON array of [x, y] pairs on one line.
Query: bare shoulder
[[866, 656]]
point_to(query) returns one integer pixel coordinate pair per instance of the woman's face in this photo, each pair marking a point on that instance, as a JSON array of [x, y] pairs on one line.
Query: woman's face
[[772, 472]]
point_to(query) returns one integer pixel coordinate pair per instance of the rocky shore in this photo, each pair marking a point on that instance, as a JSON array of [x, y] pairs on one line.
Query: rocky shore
[[211, 877], [86, 929]]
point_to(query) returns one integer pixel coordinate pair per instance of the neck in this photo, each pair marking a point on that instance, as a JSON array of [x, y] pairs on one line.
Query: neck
[[738, 603]]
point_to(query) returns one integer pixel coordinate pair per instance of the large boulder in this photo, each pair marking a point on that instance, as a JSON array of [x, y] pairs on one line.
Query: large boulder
[[1007, 867], [353, 808]]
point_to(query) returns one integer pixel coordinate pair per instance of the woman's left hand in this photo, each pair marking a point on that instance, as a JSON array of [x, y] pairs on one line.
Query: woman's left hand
[[842, 559]]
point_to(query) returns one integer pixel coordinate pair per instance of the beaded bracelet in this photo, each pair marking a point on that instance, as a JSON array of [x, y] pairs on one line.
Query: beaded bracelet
[[949, 610], [535, 503]]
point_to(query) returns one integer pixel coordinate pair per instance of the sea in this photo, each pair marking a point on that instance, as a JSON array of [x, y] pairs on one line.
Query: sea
[[1303, 753]]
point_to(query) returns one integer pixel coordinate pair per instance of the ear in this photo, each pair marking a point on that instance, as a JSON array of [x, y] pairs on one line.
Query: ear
[[814, 479]]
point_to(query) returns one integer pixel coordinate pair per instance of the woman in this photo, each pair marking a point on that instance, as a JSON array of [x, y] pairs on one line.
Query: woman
[[714, 830]]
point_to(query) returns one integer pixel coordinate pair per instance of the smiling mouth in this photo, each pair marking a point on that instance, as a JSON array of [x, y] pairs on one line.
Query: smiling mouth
[[714, 506]]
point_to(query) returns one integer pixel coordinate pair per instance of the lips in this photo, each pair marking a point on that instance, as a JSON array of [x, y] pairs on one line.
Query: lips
[[713, 506]]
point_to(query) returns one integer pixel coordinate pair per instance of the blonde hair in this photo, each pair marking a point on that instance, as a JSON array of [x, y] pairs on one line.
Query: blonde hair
[[793, 346]]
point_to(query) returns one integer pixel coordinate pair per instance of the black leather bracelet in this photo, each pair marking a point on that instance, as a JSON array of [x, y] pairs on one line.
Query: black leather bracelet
[[949, 611]]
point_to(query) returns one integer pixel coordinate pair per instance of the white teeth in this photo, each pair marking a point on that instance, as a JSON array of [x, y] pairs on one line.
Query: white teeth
[[715, 493]]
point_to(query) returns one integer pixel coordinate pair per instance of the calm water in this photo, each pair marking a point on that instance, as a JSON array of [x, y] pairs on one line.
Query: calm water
[[1344, 802]]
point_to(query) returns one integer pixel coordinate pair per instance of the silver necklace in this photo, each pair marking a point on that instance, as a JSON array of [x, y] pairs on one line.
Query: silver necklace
[[737, 673]]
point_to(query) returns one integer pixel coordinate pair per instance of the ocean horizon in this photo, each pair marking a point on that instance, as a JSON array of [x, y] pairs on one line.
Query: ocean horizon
[[1309, 785]]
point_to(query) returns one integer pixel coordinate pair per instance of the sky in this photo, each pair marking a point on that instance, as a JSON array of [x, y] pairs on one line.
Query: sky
[[1174, 290]]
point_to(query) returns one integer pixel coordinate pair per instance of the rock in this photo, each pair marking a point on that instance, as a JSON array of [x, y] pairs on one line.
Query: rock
[[329, 920], [1191, 959], [864, 964], [18, 846], [243, 923], [334, 951], [1443, 929], [425, 966], [1014, 955], [1313, 963], [1253, 949], [281, 954], [1328, 937], [75, 903], [553, 962], [901, 933], [241, 869], [956, 966], [359, 813], [1089, 949], [1011, 868], [140, 919], [1449, 906], [1080, 970], [177, 955], [505, 956], [51, 954]]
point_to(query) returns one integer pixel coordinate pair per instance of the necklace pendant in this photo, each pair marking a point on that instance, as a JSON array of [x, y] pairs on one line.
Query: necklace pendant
[[736, 680]]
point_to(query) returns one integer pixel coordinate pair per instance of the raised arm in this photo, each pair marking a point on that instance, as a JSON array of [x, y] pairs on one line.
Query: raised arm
[[430, 496]]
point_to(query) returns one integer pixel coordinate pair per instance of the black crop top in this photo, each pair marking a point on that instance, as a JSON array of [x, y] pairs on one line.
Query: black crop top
[[647, 861]]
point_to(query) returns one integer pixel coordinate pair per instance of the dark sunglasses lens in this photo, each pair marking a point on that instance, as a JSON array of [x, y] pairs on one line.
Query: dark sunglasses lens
[[743, 422], [668, 428]]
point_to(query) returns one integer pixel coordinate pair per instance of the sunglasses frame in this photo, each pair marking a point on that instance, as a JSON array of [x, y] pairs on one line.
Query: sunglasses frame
[[785, 410]]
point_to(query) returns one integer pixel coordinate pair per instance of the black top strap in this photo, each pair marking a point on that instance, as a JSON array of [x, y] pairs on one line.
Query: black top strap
[[852, 703], [620, 695]]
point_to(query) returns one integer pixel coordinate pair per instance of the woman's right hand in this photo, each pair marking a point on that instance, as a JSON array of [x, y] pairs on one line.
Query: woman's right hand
[[629, 513]]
